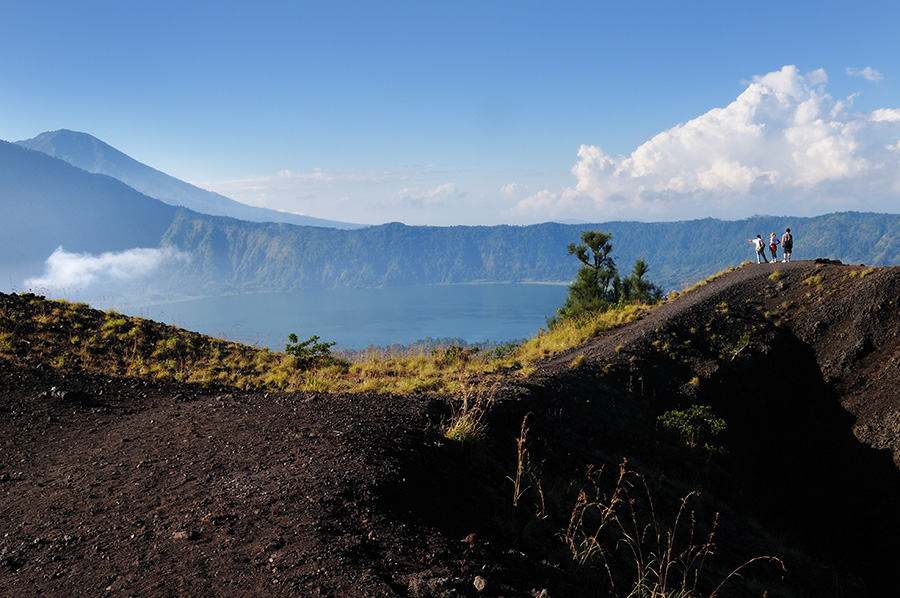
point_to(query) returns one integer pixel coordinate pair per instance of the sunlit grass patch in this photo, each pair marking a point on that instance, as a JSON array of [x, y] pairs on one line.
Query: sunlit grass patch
[[578, 362], [814, 280], [572, 332], [704, 282]]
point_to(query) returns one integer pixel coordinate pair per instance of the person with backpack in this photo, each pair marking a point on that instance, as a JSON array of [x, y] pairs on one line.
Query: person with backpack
[[787, 244], [760, 246], [773, 247]]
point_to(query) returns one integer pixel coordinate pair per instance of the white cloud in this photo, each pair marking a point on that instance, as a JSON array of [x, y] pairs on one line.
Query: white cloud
[[783, 146], [64, 270], [428, 197], [509, 189], [885, 115], [866, 73], [271, 190]]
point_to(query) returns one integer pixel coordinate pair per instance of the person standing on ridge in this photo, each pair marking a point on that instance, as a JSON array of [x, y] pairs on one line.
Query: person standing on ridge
[[760, 246], [773, 247], [787, 244]]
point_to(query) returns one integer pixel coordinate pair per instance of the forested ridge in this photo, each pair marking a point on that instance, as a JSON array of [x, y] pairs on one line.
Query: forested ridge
[[231, 255]]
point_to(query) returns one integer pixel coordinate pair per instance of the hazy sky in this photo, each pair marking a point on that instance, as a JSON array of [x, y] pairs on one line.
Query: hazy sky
[[487, 112]]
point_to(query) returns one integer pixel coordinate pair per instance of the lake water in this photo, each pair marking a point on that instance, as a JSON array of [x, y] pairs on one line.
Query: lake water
[[359, 318]]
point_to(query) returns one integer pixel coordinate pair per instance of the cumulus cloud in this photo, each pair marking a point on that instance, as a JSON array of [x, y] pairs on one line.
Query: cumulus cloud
[[783, 146], [866, 73], [65, 270], [509, 189]]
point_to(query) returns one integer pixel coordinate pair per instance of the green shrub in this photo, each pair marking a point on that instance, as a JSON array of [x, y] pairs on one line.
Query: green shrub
[[310, 351], [695, 425]]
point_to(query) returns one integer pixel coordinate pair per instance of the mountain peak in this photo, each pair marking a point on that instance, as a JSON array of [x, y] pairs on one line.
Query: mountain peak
[[93, 155], [86, 152]]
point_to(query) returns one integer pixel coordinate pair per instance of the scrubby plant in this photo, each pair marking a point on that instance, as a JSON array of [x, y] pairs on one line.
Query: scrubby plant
[[636, 288], [742, 343], [504, 350], [6, 342], [454, 355], [466, 423]]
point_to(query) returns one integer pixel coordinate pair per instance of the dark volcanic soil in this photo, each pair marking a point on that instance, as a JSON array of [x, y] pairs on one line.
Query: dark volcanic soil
[[124, 487], [115, 486]]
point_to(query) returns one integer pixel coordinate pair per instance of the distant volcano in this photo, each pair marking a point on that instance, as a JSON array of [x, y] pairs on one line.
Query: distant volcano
[[95, 156]]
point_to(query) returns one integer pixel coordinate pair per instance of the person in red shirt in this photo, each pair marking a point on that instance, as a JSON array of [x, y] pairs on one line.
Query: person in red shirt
[[773, 246]]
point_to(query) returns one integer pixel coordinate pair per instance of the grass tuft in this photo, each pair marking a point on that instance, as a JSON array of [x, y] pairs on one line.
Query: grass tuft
[[466, 424]]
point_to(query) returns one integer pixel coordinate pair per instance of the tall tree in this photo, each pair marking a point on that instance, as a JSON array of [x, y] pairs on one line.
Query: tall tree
[[637, 288], [597, 283]]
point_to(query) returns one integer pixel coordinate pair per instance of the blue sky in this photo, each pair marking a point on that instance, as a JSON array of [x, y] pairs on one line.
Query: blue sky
[[489, 112]]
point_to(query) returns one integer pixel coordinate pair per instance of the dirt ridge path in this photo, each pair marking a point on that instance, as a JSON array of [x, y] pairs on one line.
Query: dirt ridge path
[[742, 282]]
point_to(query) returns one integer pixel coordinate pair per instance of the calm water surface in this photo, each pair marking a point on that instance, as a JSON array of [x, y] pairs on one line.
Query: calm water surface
[[358, 318]]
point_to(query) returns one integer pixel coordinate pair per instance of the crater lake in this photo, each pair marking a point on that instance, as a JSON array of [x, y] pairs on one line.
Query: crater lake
[[360, 318]]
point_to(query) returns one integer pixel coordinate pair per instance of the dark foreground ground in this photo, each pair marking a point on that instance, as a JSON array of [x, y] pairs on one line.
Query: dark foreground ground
[[125, 487]]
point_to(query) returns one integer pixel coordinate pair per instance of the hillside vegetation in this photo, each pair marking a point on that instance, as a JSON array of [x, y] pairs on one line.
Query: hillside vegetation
[[740, 439], [36, 331]]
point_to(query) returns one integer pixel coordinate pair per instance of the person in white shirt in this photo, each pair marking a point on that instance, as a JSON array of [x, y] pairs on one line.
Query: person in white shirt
[[760, 246]]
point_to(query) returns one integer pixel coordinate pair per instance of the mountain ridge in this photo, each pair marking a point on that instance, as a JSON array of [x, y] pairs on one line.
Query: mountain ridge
[[96, 156], [48, 203]]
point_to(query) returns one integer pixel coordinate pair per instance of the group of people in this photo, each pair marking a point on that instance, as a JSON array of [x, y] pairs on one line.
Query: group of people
[[786, 242]]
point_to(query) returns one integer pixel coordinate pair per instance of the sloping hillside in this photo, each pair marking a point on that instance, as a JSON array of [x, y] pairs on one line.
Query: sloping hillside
[[800, 360], [124, 486]]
